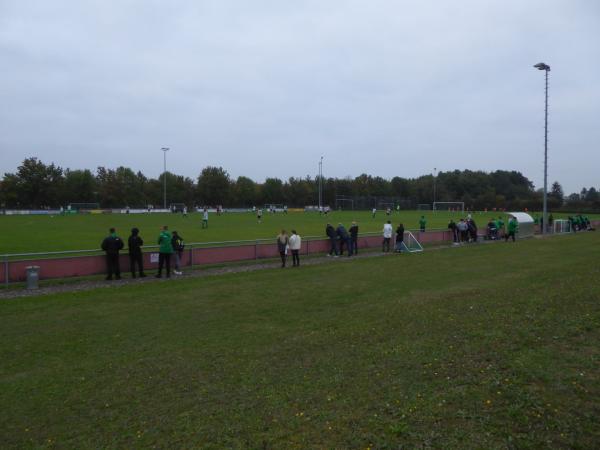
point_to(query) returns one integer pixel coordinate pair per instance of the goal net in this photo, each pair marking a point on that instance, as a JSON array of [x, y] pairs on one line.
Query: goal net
[[561, 226], [449, 206], [344, 203], [82, 206], [411, 244], [424, 206]]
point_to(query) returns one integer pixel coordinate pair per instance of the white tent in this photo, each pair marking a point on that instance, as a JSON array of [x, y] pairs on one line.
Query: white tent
[[525, 224]]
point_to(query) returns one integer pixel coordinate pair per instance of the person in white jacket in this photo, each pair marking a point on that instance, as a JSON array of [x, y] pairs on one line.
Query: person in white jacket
[[295, 242], [387, 236]]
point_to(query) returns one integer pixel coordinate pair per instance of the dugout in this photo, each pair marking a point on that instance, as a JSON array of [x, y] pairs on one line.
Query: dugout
[[525, 221]]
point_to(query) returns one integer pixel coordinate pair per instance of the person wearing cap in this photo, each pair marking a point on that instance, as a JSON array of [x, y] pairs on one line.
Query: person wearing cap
[[111, 245], [134, 244]]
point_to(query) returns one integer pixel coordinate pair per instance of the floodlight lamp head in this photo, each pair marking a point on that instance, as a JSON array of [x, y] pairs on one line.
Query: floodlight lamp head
[[542, 66]]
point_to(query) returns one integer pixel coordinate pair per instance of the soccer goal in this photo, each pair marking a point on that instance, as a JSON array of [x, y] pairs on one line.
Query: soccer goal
[[561, 226], [344, 203], [424, 206], [411, 244], [449, 206], [82, 206]]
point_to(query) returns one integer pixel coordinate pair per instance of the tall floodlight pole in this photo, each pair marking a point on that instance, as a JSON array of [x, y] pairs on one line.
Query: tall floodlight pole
[[434, 185], [165, 150], [546, 68], [320, 183]]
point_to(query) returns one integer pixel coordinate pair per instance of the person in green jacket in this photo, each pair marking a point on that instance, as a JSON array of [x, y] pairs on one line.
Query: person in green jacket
[[500, 226], [422, 223], [165, 251], [512, 229]]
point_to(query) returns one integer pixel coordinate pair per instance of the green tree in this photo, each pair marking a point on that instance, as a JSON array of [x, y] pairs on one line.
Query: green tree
[[213, 186]]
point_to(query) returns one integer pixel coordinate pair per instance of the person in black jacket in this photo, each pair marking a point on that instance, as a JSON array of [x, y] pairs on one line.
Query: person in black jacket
[[343, 238], [330, 231], [399, 238], [111, 245], [353, 239], [134, 244]]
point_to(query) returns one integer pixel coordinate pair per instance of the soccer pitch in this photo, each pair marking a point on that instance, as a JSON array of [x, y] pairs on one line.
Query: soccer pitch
[[488, 346], [20, 234]]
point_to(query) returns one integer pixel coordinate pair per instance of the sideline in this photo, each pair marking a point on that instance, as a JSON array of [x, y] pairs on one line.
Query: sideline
[[86, 285]]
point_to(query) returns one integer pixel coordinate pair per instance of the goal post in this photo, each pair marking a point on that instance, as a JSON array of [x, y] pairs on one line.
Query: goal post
[[344, 203], [561, 226], [449, 206], [411, 244]]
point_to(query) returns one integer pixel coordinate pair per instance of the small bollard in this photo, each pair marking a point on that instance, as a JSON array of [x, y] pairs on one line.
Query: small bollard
[[33, 276]]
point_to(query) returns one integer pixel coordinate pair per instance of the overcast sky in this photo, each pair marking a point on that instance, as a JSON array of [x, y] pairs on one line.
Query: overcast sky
[[264, 88]]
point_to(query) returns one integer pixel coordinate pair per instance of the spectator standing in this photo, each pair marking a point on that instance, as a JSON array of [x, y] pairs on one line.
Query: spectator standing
[[343, 238], [454, 229], [500, 227], [387, 236], [165, 251], [512, 228], [178, 246], [111, 245], [463, 229], [422, 223], [399, 238], [354, 239], [472, 227], [134, 245], [282, 246], [331, 234], [295, 242]]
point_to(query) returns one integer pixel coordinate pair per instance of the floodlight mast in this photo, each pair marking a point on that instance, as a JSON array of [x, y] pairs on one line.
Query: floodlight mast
[[546, 68], [320, 184], [165, 150]]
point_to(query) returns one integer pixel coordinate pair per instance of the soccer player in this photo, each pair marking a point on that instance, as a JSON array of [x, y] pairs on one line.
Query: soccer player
[[422, 223], [374, 212], [184, 211], [259, 215], [111, 245], [205, 218]]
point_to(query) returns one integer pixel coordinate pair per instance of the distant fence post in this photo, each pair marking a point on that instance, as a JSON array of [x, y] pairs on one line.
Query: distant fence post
[[255, 250], [192, 255], [6, 271]]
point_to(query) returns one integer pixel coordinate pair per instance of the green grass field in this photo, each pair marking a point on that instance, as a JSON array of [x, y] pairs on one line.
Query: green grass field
[[487, 346], [21, 234], [45, 233]]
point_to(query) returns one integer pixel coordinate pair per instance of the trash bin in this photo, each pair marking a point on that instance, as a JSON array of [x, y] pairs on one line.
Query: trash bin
[[33, 276]]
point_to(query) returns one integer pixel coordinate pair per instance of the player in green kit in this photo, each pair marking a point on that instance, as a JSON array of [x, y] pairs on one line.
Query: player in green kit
[[422, 223]]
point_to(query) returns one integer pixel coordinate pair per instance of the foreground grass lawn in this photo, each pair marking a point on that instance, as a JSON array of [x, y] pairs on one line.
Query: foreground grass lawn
[[489, 346]]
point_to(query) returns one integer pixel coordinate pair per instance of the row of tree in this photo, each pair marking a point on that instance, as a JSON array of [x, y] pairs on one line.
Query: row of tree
[[39, 185]]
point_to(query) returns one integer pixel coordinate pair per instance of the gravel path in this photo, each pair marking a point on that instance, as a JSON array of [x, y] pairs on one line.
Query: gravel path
[[78, 286]]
